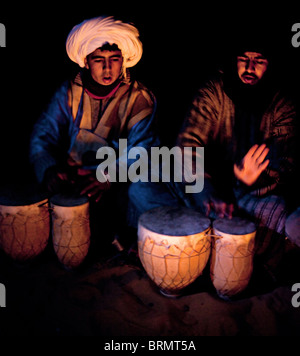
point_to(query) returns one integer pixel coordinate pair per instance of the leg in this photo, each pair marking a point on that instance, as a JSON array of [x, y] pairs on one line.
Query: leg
[[269, 213]]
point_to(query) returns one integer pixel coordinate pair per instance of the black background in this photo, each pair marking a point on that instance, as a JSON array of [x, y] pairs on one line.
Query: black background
[[183, 44]]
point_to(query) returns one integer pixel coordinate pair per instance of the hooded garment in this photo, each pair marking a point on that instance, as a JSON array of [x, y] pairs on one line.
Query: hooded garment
[[228, 117], [91, 34]]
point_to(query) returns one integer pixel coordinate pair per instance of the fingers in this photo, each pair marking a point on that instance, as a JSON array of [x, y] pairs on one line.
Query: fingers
[[84, 172], [258, 153], [261, 153], [207, 208], [263, 166], [62, 176], [95, 190], [229, 210], [237, 171], [221, 209], [90, 188], [251, 152]]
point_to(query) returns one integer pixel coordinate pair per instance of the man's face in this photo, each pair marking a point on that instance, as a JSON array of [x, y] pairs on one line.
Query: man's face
[[105, 66], [251, 67]]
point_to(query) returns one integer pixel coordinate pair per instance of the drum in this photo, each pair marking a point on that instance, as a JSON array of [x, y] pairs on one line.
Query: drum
[[24, 222], [292, 227], [174, 247], [232, 255], [70, 229]]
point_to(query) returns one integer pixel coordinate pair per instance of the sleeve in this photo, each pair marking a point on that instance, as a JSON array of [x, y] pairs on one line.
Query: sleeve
[[282, 144], [49, 139], [201, 124], [142, 133]]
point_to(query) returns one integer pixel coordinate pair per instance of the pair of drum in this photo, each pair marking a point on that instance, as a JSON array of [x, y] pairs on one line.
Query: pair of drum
[[27, 223], [175, 245]]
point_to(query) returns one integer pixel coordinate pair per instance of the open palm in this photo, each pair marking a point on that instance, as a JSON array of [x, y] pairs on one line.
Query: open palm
[[252, 165]]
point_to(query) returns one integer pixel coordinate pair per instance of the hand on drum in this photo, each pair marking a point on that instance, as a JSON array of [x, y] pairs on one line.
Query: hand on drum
[[221, 209], [212, 204], [54, 179], [92, 187], [253, 164]]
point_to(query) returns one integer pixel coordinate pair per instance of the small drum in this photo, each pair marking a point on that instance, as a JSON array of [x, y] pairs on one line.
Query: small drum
[[70, 229], [24, 222], [174, 247], [232, 255]]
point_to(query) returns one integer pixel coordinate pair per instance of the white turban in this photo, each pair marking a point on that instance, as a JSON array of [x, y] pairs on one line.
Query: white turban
[[91, 34]]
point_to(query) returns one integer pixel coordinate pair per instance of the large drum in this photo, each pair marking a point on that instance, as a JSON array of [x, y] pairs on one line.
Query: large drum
[[70, 229], [174, 247], [232, 255], [24, 222]]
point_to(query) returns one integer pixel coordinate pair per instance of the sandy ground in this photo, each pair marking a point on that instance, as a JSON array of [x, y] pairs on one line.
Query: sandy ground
[[112, 296]]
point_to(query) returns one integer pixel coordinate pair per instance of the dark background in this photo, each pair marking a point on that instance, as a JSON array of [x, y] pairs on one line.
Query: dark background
[[183, 44]]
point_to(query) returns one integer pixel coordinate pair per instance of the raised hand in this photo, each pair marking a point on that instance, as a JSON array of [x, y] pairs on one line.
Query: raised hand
[[252, 165]]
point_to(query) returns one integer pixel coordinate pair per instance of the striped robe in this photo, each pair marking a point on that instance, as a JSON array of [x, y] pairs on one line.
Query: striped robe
[[210, 123], [128, 113]]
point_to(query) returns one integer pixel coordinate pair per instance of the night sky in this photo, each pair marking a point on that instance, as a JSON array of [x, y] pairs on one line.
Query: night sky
[[183, 45]]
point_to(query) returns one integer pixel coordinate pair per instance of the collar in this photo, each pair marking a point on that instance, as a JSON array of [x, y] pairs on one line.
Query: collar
[[96, 90]]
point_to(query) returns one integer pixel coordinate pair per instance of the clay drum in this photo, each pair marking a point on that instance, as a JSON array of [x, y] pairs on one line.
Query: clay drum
[[24, 222], [174, 246], [70, 229], [232, 255]]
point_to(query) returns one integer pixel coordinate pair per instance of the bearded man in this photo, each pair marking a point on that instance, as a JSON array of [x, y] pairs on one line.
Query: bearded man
[[246, 125]]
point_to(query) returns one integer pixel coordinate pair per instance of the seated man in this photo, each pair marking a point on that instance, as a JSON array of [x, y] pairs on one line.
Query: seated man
[[97, 108], [247, 128]]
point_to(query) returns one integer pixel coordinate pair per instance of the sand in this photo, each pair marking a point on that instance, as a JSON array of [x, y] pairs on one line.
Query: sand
[[113, 296]]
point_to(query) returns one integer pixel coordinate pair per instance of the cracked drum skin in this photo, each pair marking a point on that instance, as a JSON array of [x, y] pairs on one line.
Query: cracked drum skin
[[24, 222], [70, 229], [174, 247]]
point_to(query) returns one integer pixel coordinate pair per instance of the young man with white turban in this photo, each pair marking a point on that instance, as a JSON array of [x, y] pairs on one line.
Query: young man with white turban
[[96, 109]]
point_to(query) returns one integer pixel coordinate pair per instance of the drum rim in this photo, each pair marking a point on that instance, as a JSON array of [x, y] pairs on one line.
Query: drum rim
[[206, 223], [252, 227], [77, 200], [23, 194]]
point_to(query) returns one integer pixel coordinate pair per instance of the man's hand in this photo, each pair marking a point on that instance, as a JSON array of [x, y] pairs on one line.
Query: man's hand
[[253, 164], [54, 179], [219, 208], [92, 187]]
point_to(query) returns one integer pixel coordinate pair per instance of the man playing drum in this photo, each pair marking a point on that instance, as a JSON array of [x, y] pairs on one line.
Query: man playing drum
[[95, 109], [247, 128]]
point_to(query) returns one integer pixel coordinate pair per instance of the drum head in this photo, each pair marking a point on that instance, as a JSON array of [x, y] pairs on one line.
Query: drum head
[[234, 226], [21, 194], [68, 200], [174, 221]]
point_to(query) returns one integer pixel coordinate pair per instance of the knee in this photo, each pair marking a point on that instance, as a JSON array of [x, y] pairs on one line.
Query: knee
[[138, 195], [292, 227], [134, 191]]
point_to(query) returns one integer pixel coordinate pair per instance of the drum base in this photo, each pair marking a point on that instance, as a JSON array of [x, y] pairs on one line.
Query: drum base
[[224, 297], [170, 294]]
